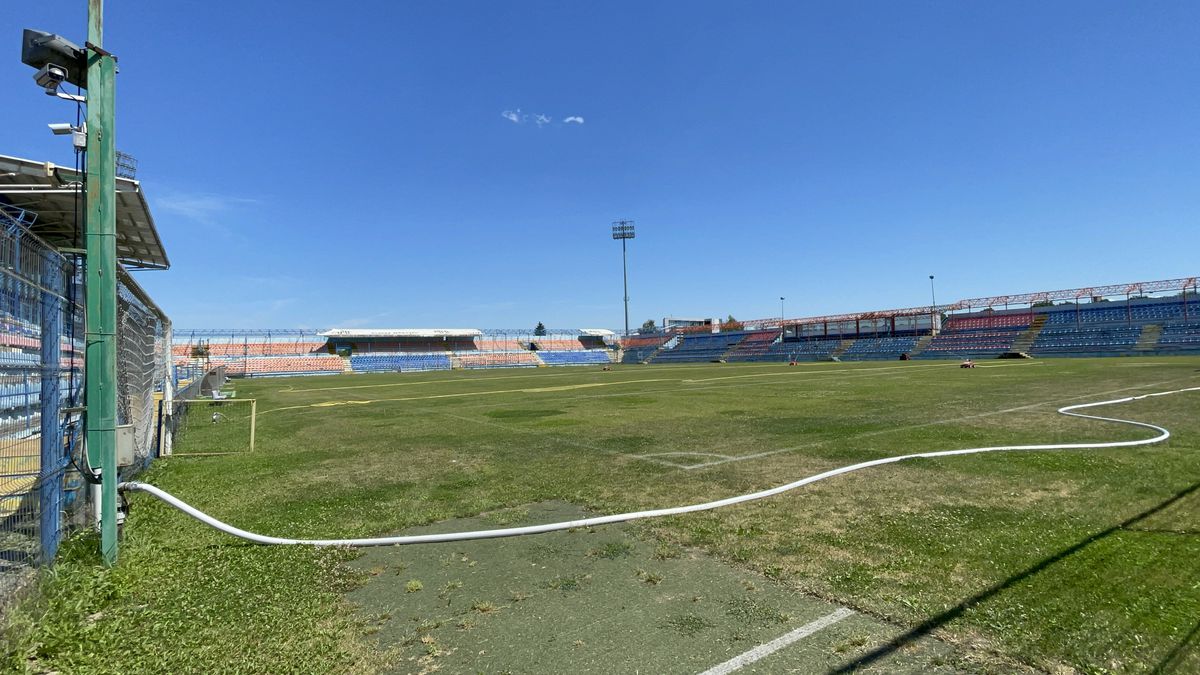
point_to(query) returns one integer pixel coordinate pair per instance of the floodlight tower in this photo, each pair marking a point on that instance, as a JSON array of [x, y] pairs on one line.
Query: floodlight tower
[[932, 304], [623, 229]]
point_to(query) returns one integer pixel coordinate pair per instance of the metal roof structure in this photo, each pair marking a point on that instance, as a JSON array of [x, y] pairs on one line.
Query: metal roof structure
[[52, 192], [401, 332], [1129, 289]]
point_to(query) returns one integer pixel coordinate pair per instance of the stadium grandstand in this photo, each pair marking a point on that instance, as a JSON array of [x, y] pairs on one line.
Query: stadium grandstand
[[284, 352], [1142, 318]]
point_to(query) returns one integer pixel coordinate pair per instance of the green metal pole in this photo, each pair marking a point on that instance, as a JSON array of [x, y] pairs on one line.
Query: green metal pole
[[101, 363]]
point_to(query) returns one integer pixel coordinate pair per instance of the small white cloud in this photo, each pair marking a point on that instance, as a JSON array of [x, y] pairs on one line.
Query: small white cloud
[[573, 119], [541, 120], [513, 116]]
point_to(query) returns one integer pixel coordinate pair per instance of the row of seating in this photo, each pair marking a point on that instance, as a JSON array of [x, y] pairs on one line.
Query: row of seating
[[497, 346], [878, 349], [700, 348], [1064, 341], [521, 359], [975, 341], [988, 321], [643, 341], [281, 348], [1118, 312], [580, 357], [369, 363], [282, 365], [807, 350], [556, 345], [1180, 336]]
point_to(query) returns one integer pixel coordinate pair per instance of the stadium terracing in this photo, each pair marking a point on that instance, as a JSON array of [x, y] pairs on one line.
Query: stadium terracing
[[1141, 318]]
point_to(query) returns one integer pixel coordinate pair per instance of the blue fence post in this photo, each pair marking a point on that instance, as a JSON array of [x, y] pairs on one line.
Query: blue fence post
[[53, 461]]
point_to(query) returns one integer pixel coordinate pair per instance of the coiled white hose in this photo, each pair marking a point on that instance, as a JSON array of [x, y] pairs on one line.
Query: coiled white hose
[[1163, 435]]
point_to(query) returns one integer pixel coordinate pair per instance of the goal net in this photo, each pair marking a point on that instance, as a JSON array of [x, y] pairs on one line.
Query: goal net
[[204, 426]]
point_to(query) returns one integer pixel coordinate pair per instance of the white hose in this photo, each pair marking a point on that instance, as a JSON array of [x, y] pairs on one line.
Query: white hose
[[1163, 435]]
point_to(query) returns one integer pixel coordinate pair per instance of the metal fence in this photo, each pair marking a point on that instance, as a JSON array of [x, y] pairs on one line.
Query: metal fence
[[41, 359], [143, 361], [44, 493]]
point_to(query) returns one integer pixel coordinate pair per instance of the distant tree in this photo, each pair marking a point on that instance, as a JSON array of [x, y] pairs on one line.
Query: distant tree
[[648, 326], [540, 329], [731, 324], [1044, 303]]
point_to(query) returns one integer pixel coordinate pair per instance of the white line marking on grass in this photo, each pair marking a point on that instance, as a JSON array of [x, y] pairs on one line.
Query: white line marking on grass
[[910, 427], [680, 454], [765, 650], [849, 372]]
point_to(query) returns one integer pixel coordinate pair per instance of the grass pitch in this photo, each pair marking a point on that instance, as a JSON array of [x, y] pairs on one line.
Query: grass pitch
[[1085, 560]]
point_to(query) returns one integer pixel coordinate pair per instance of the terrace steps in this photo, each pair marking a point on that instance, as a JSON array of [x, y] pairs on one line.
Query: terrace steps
[[841, 348], [1148, 340], [656, 352], [1025, 340], [922, 343], [732, 348]]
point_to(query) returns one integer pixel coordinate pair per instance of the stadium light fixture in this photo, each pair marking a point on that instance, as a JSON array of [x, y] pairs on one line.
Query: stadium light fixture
[[623, 230]]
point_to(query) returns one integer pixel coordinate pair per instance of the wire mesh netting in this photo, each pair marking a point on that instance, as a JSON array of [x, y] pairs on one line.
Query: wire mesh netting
[[206, 426], [43, 486], [141, 371], [41, 357]]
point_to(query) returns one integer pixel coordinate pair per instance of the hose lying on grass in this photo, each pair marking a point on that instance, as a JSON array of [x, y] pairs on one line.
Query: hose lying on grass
[[1163, 435]]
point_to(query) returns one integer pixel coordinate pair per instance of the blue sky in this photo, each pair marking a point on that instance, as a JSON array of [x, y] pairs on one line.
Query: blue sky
[[350, 164]]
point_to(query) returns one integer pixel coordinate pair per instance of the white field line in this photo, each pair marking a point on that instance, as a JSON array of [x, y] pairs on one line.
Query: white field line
[[910, 427], [536, 374], [1071, 411], [765, 650], [848, 372]]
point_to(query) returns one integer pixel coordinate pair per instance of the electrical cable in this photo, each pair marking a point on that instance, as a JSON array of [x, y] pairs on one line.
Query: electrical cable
[[1163, 434]]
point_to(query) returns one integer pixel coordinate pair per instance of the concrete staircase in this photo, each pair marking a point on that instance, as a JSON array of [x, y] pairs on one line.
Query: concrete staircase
[[922, 343], [1148, 340], [841, 349], [725, 356], [669, 344], [1025, 340]]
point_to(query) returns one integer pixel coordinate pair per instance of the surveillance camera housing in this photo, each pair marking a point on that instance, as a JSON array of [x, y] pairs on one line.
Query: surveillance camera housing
[[61, 129], [40, 49], [50, 76]]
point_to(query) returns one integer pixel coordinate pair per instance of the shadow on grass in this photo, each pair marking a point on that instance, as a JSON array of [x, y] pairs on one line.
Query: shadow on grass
[[929, 625], [1168, 663]]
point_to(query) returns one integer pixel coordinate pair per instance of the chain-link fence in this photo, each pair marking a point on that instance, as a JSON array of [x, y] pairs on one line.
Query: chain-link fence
[[143, 356], [43, 465], [41, 358]]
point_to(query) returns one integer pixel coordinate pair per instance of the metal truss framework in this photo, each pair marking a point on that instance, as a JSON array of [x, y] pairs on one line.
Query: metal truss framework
[[1127, 290]]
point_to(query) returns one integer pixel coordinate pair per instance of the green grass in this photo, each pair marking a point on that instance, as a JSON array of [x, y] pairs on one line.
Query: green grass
[[1078, 559]]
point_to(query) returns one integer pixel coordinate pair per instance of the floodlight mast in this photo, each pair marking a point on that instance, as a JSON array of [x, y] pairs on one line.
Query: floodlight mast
[[623, 229]]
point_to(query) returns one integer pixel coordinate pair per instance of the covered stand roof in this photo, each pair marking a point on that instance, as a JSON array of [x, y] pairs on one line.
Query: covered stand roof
[[1137, 287], [401, 332], [51, 192]]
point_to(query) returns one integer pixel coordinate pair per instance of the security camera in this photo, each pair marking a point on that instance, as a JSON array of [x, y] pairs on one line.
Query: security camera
[[49, 77], [55, 57], [62, 128]]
